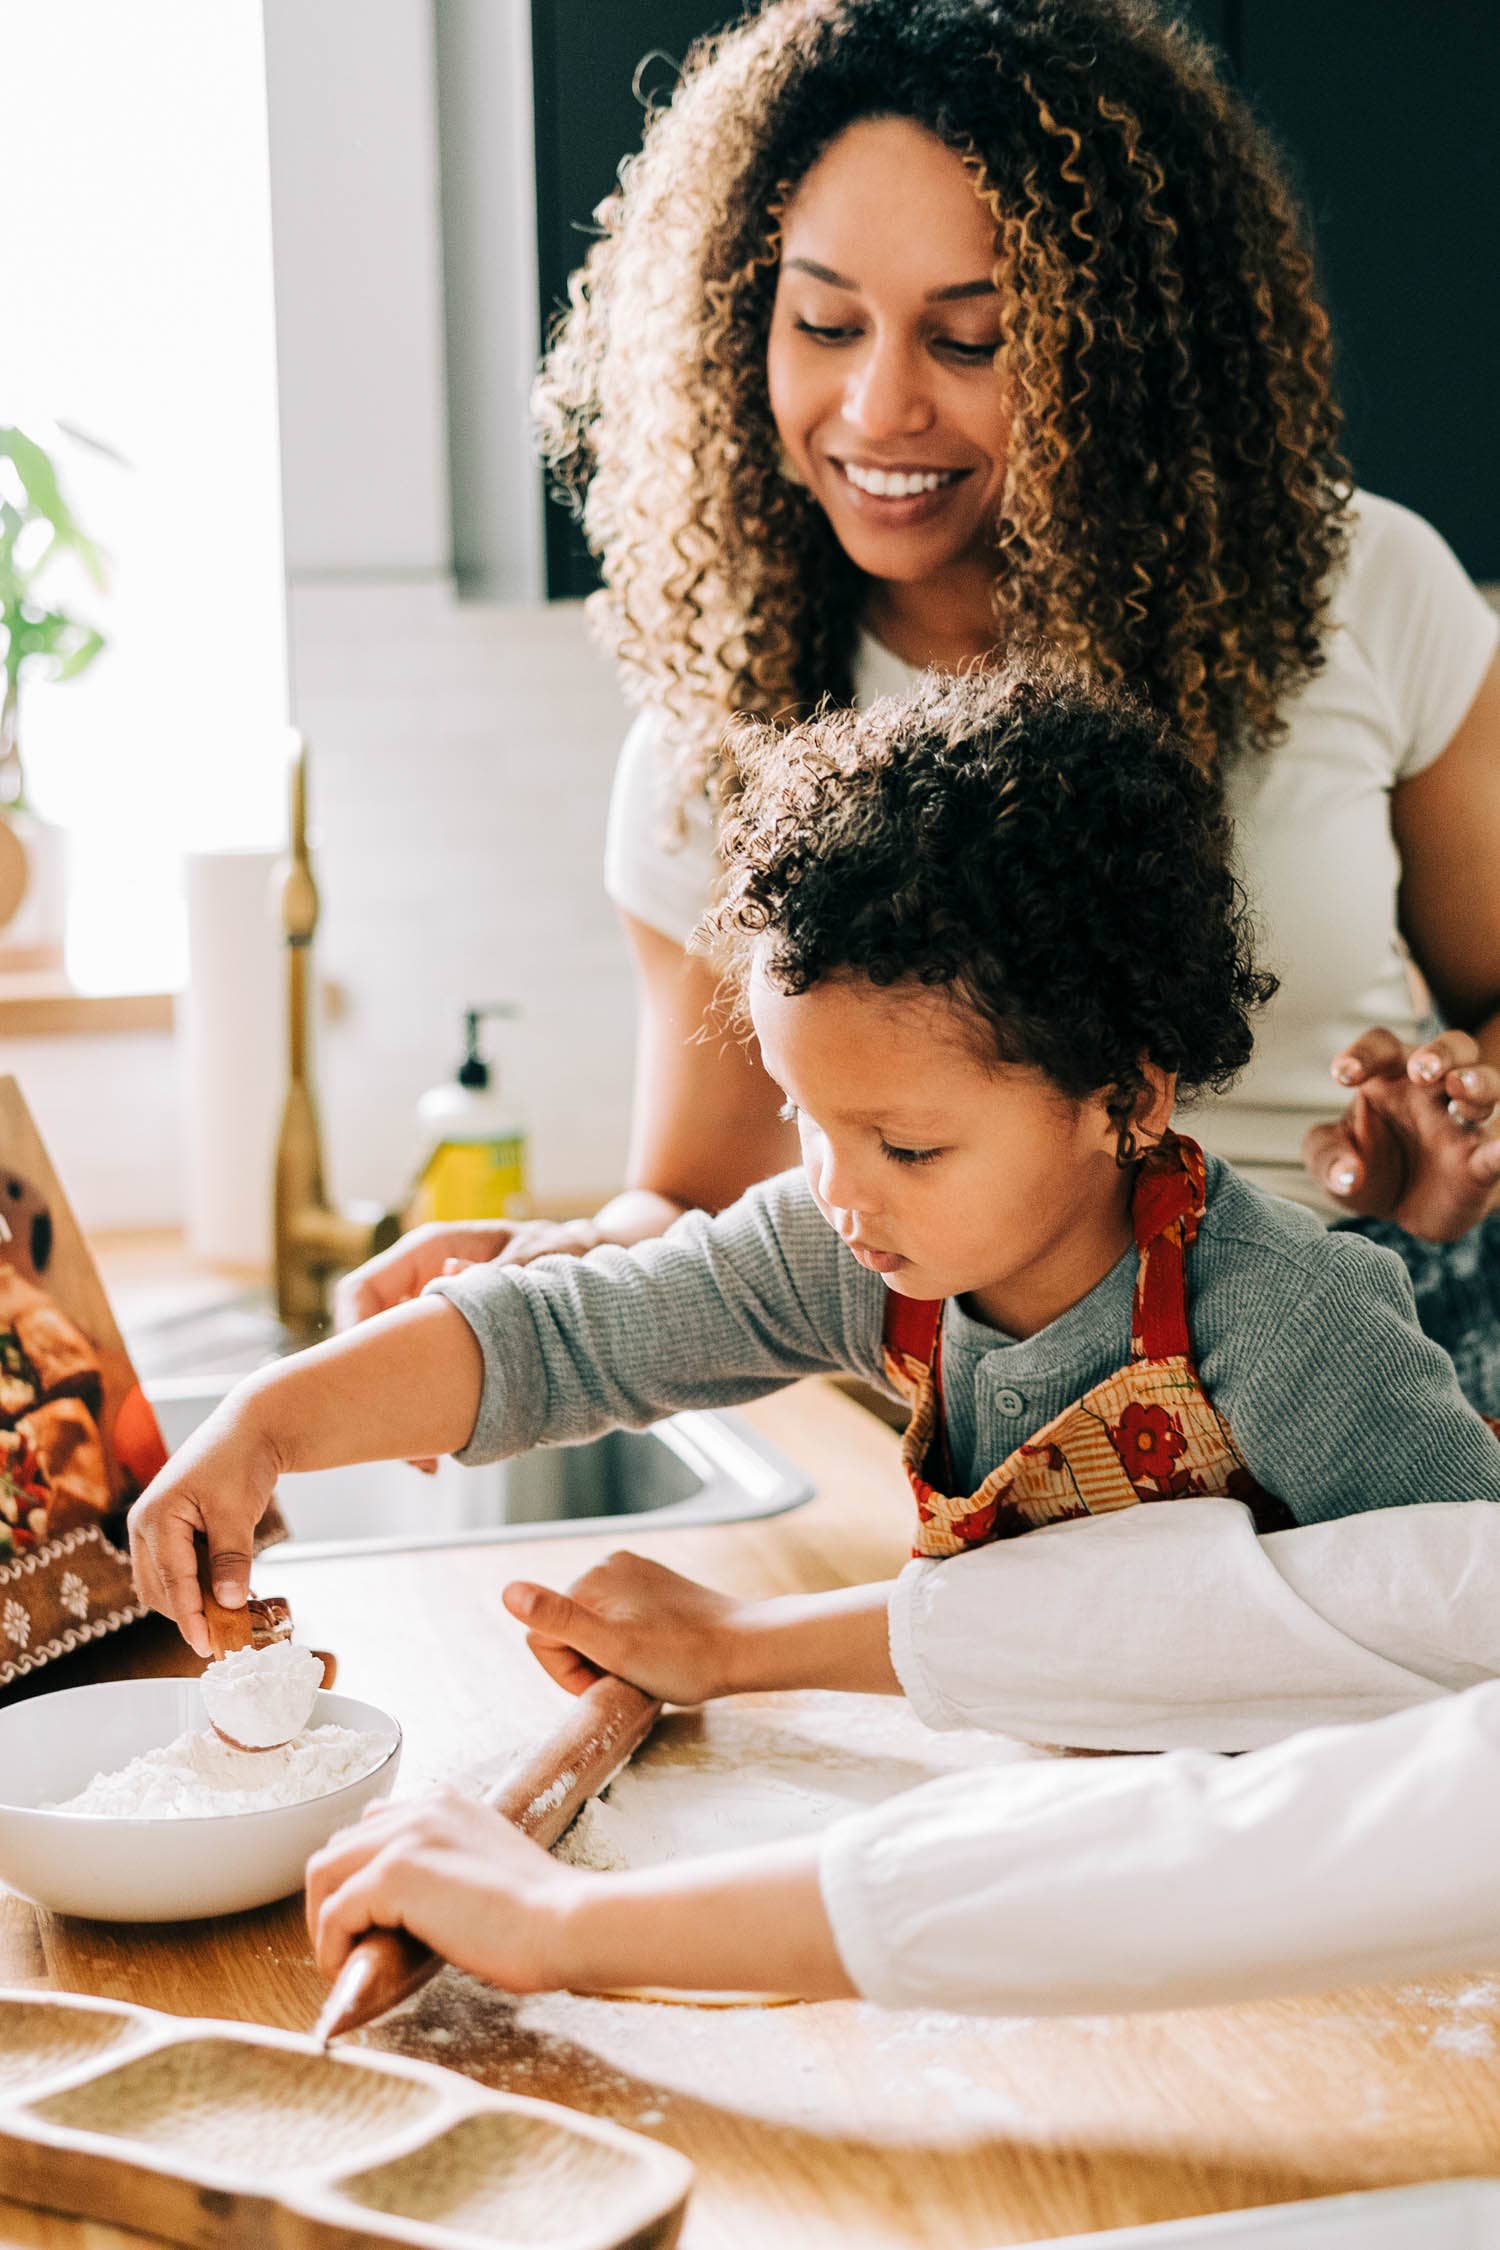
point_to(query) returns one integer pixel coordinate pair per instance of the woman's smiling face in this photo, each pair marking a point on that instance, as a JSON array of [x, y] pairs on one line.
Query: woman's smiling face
[[881, 362]]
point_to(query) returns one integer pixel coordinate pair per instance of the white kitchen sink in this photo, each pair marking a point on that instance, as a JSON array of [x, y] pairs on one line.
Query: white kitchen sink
[[698, 1468]]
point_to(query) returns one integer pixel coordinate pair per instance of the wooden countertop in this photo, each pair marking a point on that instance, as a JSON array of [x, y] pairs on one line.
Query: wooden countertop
[[809, 2126]]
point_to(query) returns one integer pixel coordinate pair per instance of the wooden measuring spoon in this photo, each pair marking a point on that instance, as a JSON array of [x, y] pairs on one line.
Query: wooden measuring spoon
[[261, 1622], [257, 1625]]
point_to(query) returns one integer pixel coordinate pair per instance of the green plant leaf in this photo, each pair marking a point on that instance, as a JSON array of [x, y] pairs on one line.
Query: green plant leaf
[[12, 523], [34, 529], [92, 559], [33, 465], [35, 470], [43, 632], [90, 642]]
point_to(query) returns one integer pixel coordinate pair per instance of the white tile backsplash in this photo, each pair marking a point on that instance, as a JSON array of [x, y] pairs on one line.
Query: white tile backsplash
[[461, 763]]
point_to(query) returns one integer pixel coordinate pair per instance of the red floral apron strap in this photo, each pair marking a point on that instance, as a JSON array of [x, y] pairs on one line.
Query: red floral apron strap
[[913, 1339], [1170, 1193], [911, 1326]]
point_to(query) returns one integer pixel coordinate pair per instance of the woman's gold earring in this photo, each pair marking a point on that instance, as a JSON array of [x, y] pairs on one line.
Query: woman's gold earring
[[788, 468]]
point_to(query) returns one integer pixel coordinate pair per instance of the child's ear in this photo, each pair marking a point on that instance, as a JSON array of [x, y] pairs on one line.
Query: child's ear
[[1154, 1104]]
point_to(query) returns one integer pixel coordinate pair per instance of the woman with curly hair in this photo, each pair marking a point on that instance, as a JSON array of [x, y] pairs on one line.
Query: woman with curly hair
[[922, 330]]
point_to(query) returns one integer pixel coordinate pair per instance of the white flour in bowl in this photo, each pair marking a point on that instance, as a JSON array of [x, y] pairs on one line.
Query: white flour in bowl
[[198, 1775]]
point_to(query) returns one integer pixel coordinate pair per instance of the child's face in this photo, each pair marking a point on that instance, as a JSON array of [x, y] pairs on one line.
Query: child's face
[[944, 1176]]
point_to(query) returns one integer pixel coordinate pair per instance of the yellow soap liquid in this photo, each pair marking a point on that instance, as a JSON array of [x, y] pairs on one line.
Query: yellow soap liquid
[[476, 1180]]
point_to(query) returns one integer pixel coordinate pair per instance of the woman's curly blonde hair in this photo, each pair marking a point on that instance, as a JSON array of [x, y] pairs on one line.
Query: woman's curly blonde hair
[[1177, 498]]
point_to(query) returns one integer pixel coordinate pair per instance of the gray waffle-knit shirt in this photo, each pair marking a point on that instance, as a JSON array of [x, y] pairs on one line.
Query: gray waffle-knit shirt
[[1307, 1341]]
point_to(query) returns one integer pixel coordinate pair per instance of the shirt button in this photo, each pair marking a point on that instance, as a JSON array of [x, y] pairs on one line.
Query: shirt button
[[1010, 1402]]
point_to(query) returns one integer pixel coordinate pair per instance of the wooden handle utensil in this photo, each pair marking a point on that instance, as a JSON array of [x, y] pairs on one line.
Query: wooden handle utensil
[[607, 1724], [255, 1626]]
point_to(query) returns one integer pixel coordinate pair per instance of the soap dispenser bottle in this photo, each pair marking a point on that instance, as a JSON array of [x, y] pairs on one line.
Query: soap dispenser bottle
[[475, 1166]]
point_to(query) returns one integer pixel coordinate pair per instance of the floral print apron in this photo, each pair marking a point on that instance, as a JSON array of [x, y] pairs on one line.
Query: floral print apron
[[1147, 1432]]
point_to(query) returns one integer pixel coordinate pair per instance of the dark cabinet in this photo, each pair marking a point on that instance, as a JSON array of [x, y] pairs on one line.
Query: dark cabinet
[[1388, 115], [595, 64]]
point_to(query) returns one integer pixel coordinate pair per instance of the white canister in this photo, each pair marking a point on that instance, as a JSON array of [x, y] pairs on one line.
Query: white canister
[[32, 938], [233, 1068]]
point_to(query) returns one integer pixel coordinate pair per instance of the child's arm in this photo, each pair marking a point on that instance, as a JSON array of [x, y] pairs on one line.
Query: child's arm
[[408, 1382], [687, 1644], [461, 1878], [496, 1360], [1349, 1855], [720, 1310]]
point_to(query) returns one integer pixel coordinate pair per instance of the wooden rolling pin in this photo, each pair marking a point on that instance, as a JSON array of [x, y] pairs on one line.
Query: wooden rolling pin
[[605, 1727]]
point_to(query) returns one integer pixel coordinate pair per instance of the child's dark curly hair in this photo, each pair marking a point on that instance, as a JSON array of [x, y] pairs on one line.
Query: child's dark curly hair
[[1033, 840]]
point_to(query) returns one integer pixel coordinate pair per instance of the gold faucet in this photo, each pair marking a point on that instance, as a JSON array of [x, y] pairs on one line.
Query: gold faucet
[[313, 1240]]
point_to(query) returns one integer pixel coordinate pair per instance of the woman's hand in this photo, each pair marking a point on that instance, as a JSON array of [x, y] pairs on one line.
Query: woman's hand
[[403, 1271], [216, 1488], [667, 1635], [456, 1874], [1416, 1144]]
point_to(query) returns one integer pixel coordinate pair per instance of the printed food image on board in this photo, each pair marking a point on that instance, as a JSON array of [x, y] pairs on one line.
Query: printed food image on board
[[78, 1441]]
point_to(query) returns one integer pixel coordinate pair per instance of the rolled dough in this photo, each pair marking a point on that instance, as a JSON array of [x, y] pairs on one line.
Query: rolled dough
[[732, 1776]]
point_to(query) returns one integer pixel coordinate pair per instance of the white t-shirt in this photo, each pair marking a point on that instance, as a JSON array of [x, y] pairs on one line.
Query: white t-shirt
[[1410, 640]]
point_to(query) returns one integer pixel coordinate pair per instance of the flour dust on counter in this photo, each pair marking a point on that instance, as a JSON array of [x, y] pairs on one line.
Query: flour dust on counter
[[838, 2067]]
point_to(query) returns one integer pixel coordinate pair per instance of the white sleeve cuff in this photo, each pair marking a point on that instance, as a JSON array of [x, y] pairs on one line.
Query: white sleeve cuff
[[1054, 1886], [1174, 1626], [909, 1638]]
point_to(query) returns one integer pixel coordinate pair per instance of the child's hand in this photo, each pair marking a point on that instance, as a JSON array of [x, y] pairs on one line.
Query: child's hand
[[454, 1873], [636, 1619], [216, 1487], [464, 1881]]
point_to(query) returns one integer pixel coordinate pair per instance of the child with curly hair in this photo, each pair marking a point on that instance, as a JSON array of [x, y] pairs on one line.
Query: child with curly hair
[[985, 936]]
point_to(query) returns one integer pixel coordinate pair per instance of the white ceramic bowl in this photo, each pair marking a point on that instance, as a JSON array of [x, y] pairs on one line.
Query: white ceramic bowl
[[51, 1746]]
